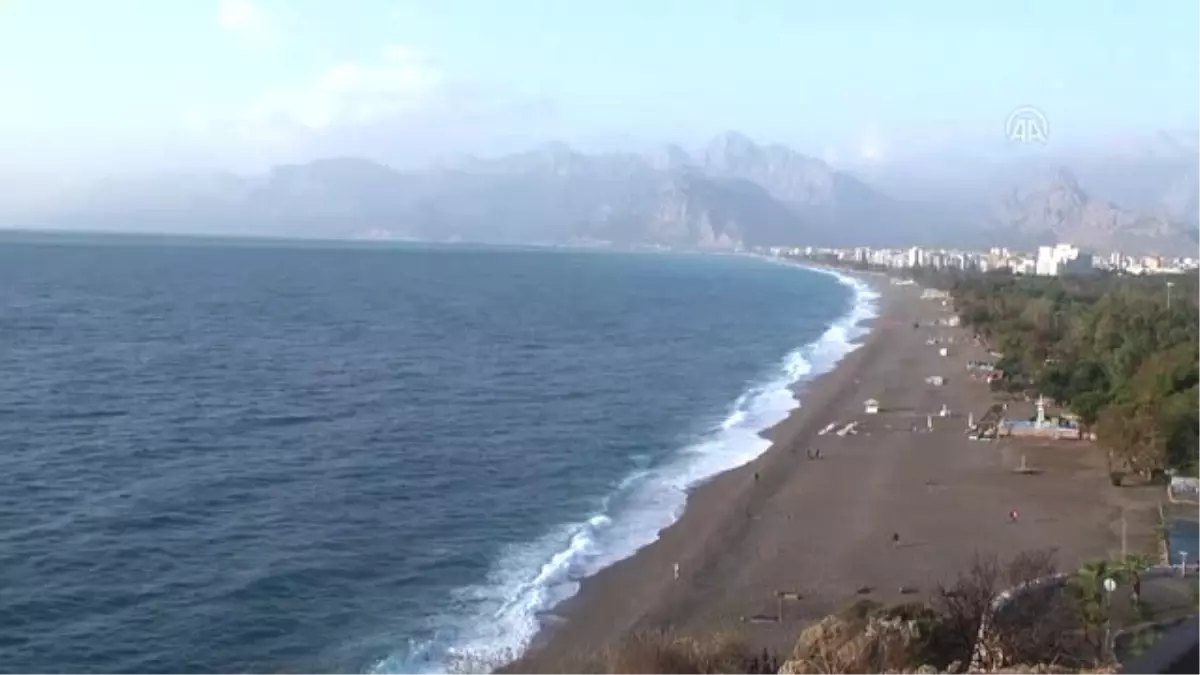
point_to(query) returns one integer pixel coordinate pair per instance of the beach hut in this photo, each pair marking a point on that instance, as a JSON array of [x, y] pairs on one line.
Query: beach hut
[[871, 406]]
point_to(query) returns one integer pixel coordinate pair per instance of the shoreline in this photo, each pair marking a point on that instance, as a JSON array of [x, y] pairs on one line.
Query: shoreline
[[749, 533], [867, 295], [770, 400], [843, 334]]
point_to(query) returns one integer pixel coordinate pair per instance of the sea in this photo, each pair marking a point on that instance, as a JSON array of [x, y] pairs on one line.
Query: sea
[[223, 455]]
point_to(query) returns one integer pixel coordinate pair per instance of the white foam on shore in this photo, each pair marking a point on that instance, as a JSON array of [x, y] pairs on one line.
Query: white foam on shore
[[502, 615]]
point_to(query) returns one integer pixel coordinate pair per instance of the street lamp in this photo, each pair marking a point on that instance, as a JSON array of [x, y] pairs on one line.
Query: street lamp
[[1109, 586]]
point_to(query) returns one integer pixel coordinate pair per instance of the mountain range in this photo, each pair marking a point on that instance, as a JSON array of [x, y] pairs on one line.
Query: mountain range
[[733, 193], [1060, 210]]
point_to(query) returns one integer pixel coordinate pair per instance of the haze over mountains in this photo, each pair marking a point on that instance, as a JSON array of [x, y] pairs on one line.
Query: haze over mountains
[[734, 192]]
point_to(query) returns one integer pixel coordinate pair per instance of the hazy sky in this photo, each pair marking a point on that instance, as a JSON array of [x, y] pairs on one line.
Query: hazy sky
[[135, 84]]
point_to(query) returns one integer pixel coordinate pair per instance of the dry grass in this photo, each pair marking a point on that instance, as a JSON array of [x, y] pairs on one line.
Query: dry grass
[[667, 652]]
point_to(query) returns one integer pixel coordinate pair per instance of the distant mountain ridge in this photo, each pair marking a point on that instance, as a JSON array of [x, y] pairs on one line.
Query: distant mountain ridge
[[738, 194], [1060, 210], [733, 193]]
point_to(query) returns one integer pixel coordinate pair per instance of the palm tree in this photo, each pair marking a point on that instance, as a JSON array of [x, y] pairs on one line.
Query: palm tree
[[1087, 590], [1130, 568]]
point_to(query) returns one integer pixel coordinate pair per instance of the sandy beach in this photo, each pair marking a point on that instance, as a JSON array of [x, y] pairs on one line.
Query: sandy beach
[[822, 529]]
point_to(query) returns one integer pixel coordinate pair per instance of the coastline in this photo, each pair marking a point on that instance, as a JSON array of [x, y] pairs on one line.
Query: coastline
[[841, 336], [821, 529], [865, 312]]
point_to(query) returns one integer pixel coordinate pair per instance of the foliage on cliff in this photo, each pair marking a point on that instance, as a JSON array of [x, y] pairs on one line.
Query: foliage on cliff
[[957, 630]]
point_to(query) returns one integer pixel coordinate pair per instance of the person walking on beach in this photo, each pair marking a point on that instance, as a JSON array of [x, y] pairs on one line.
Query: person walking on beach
[[1014, 516], [895, 540]]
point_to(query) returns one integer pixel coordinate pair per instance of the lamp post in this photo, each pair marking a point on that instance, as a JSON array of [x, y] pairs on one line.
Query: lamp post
[[1109, 586]]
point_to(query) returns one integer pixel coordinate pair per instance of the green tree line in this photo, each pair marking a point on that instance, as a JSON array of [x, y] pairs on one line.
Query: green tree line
[[1107, 346]]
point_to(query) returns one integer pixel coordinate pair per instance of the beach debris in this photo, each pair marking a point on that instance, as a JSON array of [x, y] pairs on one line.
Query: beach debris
[[780, 596], [761, 618], [871, 406], [848, 429], [864, 590], [908, 590], [827, 429], [944, 352], [1025, 469], [935, 380]]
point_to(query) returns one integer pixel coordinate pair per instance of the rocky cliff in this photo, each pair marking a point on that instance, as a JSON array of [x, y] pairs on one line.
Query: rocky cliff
[[738, 193], [1060, 210]]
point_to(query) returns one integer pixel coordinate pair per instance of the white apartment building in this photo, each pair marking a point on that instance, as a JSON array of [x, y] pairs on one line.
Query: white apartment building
[[1062, 259]]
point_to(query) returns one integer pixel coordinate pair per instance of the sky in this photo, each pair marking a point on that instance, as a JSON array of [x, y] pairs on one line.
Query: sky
[[96, 86]]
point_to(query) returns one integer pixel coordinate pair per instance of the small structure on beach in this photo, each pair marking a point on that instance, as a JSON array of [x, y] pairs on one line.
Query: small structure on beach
[[1040, 427], [935, 380], [871, 406]]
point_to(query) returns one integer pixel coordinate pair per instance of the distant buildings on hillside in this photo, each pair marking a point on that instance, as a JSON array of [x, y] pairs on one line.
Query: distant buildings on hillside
[[1059, 260]]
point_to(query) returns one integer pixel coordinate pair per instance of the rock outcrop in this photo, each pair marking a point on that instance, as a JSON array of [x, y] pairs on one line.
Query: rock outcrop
[[865, 638], [1060, 210], [871, 638]]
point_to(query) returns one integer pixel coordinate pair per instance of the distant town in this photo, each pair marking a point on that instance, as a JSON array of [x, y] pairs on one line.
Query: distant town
[[1058, 260]]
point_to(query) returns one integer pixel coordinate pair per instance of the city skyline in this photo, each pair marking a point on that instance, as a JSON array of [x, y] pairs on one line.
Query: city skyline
[[1056, 260]]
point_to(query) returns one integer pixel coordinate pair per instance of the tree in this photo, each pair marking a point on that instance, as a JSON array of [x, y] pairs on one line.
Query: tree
[[1131, 433], [1086, 588]]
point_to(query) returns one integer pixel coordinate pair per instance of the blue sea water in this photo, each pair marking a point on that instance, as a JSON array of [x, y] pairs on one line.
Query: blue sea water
[[268, 456]]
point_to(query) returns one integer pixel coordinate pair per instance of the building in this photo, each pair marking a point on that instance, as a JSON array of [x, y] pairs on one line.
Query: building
[[1062, 259]]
